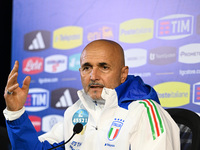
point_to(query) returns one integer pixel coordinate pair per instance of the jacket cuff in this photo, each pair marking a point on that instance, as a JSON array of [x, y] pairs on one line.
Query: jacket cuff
[[18, 121], [13, 115]]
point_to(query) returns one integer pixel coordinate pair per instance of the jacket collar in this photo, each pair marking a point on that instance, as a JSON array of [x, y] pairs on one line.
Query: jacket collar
[[109, 97]]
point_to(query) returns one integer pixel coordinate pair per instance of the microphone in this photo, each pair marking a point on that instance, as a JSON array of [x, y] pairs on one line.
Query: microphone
[[77, 129]]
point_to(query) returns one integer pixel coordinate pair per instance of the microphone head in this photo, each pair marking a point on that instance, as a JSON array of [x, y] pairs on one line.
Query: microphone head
[[78, 128]]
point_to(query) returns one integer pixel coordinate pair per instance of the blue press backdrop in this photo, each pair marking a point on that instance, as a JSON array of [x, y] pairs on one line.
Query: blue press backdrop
[[161, 40]]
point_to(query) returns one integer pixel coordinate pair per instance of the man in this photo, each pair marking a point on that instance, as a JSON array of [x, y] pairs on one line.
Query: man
[[117, 111]]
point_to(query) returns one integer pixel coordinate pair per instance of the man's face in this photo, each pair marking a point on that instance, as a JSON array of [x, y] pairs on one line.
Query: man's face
[[100, 67]]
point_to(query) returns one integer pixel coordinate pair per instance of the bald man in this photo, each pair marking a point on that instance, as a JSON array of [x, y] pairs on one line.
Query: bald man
[[117, 111]]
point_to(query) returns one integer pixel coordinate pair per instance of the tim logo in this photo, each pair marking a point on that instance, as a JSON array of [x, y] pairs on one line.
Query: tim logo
[[175, 27], [98, 31], [33, 65], [49, 121], [196, 93], [37, 40], [36, 121], [74, 62], [162, 55], [37, 99], [115, 129], [56, 63], [63, 98]]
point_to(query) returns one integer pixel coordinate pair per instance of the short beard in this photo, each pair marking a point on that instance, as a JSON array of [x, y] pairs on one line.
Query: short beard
[[94, 97]]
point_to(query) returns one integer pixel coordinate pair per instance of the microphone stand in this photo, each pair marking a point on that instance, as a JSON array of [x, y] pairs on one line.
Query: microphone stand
[[63, 143], [76, 130]]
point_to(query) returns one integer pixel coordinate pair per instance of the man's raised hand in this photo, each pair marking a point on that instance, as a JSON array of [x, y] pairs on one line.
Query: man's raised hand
[[15, 96]]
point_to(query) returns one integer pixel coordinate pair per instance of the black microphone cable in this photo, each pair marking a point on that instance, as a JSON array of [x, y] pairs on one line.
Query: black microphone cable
[[77, 129]]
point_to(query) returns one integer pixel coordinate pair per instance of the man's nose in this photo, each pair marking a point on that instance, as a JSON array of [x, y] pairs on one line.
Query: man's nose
[[94, 75]]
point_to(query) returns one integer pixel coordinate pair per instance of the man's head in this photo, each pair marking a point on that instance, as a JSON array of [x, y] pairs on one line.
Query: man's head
[[102, 65]]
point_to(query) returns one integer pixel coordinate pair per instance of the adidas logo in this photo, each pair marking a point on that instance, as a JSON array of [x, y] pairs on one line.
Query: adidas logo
[[37, 43], [62, 98], [37, 40], [65, 100]]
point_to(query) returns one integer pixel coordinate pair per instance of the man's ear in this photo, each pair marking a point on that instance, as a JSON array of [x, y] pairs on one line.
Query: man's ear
[[124, 73]]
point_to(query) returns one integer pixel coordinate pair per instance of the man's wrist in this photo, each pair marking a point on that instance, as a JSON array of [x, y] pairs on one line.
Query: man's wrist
[[13, 115]]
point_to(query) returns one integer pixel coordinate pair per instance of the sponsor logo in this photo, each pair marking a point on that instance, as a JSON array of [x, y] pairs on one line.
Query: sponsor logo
[[115, 129], [175, 27], [74, 62], [98, 31], [47, 80], [109, 145], [37, 99], [49, 121], [67, 37], [135, 57], [162, 55], [36, 121], [136, 30], [55, 64], [189, 72], [37, 40], [196, 93], [63, 98], [189, 54], [173, 94], [33, 65]]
